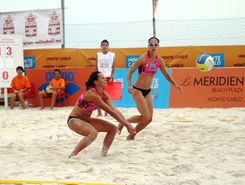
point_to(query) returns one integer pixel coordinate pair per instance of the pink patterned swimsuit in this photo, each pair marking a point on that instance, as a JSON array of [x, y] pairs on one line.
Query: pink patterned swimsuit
[[148, 68], [87, 105]]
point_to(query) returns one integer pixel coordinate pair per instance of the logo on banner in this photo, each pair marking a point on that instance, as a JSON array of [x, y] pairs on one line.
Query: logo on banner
[[70, 87], [186, 82], [54, 24], [31, 25], [218, 59], [240, 61], [131, 59], [213, 81], [155, 89], [30, 62], [8, 26]]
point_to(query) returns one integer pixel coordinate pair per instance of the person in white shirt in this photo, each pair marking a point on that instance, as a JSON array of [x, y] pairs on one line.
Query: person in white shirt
[[105, 62]]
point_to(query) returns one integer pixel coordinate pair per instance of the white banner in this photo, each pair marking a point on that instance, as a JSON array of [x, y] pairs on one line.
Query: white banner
[[38, 28], [11, 56]]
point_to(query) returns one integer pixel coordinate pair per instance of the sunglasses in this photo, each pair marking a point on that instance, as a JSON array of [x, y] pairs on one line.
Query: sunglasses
[[153, 44]]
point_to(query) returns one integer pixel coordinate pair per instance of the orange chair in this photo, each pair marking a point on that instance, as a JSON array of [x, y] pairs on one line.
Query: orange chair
[[9, 90], [29, 94], [61, 97]]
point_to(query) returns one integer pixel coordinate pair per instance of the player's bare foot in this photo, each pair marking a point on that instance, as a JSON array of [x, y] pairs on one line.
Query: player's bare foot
[[119, 128], [104, 152], [131, 136], [71, 155]]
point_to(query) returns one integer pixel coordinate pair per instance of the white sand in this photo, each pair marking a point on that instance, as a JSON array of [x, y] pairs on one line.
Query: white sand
[[180, 147]]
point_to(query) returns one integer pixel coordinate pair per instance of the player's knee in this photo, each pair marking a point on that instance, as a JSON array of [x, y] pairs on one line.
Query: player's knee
[[149, 120], [93, 134], [146, 118], [113, 129]]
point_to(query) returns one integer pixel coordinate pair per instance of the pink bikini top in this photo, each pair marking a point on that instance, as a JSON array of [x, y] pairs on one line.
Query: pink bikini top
[[148, 68], [87, 105]]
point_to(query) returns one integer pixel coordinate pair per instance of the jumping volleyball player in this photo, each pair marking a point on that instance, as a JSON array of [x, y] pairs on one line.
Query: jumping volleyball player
[[81, 122], [147, 66]]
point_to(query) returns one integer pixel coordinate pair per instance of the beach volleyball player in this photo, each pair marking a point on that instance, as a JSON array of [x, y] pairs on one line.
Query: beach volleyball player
[[147, 66], [81, 122]]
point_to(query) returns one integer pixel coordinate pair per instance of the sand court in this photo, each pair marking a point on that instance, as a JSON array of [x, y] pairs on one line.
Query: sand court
[[181, 146]]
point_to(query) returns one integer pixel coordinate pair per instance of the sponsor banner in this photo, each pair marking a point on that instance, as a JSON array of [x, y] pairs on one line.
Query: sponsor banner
[[131, 59], [218, 59], [57, 58], [224, 56], [221, 87], [126, 99], [29, 62], [240, 60], [69, 57], [159, 90], [75, 79], [38, 27], [11, 56]]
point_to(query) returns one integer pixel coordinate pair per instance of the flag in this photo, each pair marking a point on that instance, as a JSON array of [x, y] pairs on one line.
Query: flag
[[154, 5]]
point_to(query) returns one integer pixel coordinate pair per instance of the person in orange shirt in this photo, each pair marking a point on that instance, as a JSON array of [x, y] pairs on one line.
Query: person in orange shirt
[[56, 86], [20, 85]]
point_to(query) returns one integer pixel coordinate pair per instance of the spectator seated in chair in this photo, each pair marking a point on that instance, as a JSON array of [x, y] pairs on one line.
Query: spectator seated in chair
[[20, 86], [55, 89]]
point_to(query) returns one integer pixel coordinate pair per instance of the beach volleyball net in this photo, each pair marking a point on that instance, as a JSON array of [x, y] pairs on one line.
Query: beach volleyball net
[[196, 32]]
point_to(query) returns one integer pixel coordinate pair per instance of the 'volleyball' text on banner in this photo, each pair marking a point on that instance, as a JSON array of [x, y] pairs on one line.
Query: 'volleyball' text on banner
[[38, 28]]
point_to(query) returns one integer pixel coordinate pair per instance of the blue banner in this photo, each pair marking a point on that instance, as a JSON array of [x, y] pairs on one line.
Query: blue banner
[[131, 59], [29, 62], [160, 89], [219, 59]]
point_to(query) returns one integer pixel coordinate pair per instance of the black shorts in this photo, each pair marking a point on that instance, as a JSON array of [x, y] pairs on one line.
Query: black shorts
[[143, 91]]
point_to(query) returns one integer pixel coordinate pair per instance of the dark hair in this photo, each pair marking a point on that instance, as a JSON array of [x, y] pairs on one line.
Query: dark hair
[[20, 68], [93, 76], [154, 38], [57, 70], [104, 41]]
